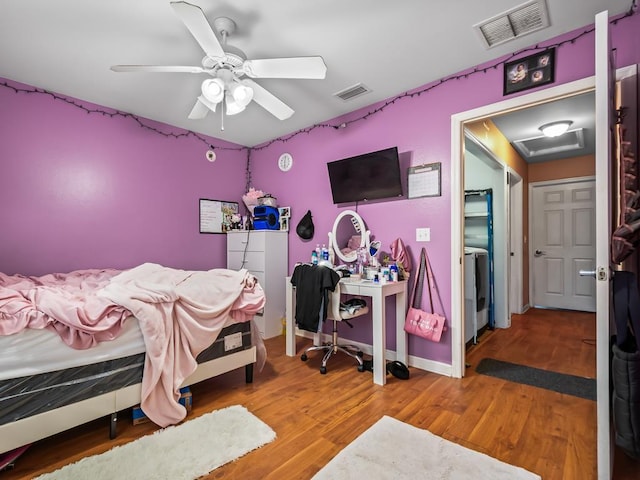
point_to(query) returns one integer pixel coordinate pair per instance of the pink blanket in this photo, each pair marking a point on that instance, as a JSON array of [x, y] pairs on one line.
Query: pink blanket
[[63, 302], [180, 314]]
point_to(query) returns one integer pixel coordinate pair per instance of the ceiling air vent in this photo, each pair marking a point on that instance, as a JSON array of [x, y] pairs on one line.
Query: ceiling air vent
[[352, 92], [521, 20]]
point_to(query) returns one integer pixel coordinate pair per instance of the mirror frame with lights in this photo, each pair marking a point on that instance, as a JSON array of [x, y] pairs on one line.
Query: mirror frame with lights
[[359, 227]]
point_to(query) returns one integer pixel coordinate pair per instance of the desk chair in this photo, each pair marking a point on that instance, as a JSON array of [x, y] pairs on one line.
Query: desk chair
[[336, 315]]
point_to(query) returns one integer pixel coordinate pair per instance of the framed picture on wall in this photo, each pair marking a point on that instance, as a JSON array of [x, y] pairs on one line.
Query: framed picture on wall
[[529, 72], [284, 212]]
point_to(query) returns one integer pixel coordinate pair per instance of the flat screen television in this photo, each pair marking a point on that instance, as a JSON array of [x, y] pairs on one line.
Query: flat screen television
[[370, 176]]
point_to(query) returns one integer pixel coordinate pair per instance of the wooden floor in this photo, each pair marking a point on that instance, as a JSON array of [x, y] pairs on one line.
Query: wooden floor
[[315, 416]]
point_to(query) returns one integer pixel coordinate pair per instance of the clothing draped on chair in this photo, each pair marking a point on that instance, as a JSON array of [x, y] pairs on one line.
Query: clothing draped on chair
[[313, 284], [318, 299]]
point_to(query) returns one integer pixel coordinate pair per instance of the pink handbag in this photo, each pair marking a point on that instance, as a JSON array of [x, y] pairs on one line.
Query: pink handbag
[[428, 325]]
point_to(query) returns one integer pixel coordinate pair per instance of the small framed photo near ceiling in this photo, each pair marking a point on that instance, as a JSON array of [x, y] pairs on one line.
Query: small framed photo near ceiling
[[529, 72]]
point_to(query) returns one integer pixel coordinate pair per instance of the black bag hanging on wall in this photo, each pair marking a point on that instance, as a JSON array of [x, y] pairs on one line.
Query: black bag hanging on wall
[[625, 364], [305, 227]]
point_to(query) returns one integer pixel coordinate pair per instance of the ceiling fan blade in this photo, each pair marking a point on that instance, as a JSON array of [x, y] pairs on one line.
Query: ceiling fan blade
[[157, 68], [294, 67], [269, 101], [199, 110], [196, 21]]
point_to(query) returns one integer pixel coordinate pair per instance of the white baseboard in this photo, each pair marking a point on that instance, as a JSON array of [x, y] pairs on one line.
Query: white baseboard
[[417, 362], [431, 366]]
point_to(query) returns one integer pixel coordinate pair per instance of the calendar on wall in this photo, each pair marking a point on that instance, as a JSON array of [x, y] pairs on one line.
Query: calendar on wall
[[424, 180]]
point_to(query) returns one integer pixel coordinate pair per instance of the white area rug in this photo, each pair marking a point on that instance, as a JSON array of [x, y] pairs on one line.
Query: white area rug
[[182, 452], [391, 449]]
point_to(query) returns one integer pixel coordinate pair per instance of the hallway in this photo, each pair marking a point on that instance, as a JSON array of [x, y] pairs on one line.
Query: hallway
[[561, 341]]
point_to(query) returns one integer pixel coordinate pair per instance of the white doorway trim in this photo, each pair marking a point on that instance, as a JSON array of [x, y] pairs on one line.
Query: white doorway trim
[[498, 181], [516, 270], [457, 197]]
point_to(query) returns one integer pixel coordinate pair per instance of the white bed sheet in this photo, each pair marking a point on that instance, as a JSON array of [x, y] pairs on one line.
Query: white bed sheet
[[40, 351]]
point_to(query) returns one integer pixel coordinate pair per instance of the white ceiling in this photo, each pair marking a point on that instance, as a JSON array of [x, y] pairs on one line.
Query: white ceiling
[[525, 125], [67, 46]]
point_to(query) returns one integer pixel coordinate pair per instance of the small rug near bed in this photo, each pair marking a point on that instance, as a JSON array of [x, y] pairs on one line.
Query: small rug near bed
[[394, 450], [182, 452], [558, 382]]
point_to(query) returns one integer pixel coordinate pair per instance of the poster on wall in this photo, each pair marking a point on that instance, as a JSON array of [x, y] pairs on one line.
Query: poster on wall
[[217, 216]]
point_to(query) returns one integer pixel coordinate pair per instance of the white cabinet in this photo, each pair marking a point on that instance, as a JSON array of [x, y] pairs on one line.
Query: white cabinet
[[265, 254]]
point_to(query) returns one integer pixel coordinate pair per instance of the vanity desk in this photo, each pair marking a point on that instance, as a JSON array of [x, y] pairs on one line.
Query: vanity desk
[[377, 292]]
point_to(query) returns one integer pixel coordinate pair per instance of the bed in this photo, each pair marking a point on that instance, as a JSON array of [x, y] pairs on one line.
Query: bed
[[156, 330]]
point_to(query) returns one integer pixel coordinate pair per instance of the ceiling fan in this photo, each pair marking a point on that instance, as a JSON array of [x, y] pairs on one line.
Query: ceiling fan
[[229, 68]]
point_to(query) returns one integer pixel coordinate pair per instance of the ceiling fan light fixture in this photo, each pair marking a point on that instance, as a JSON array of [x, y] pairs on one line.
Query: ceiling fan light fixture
[[232, 107], [242, 94], [213, 90], [555, 129]]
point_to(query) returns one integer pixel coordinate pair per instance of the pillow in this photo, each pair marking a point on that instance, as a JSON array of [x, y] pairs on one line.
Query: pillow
[[354, 242]]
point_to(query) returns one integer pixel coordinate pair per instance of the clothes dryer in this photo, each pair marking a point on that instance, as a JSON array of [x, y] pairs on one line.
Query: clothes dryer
[[476, 291]]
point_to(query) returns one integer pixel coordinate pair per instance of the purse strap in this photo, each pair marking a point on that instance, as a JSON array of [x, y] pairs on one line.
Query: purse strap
[[418, 287], [431, 283], [418, 284]]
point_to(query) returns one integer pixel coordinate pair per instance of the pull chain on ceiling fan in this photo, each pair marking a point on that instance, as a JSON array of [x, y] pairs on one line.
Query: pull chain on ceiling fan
[[229, 67]]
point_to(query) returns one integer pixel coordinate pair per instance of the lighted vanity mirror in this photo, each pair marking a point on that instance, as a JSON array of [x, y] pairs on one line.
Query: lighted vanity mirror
[[349, 233]]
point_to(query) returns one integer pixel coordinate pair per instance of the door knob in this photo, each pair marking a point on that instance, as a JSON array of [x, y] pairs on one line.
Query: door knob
[[601, 274], [539, 253], [587, 273]]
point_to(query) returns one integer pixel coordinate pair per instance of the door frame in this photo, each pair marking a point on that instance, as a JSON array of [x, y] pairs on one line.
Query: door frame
[[515, 229], [501, 213], [457, 196], [545, 183]]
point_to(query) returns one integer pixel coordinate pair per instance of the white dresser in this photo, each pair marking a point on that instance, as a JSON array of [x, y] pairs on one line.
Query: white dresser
[[265, 254]]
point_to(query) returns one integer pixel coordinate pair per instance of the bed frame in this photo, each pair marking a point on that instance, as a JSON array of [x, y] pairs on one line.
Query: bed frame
[[37, 427]]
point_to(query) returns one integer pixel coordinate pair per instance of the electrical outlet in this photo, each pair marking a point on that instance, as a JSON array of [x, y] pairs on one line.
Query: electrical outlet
[[423, 234]]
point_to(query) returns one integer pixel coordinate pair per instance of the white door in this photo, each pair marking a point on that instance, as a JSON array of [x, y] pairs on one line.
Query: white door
[[563, 244], [604, 102]]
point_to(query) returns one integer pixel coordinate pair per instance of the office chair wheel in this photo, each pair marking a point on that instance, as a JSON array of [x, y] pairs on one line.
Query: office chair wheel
[[304, 357], [323, 370], [361, 368]]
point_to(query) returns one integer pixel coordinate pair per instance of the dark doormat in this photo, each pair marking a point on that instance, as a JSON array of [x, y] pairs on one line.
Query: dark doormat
[[535, 377]]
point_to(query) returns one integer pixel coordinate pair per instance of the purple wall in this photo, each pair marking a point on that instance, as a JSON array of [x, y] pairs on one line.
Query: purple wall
[[82, 191]]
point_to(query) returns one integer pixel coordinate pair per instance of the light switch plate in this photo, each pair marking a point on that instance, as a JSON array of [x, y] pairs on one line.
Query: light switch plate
[[423, 234]]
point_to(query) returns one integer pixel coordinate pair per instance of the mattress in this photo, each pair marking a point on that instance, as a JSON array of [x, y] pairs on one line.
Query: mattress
[[110, 369], [31, 352]]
